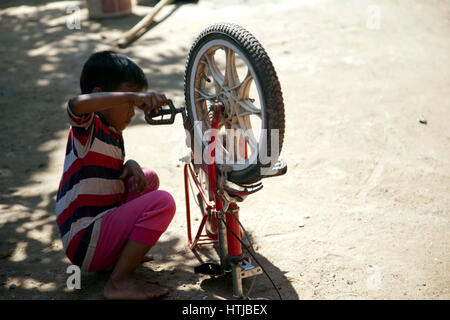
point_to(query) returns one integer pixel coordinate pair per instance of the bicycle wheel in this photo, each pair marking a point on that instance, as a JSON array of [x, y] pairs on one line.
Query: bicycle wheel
[[227, 65]]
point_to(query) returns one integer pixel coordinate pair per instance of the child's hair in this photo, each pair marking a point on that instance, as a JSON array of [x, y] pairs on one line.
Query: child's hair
[[108, 70]]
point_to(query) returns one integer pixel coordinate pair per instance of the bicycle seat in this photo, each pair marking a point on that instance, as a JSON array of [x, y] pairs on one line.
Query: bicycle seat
[[240, 192], [279, 168]]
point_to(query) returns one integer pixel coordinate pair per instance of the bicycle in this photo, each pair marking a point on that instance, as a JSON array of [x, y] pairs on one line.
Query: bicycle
[[228, 75]]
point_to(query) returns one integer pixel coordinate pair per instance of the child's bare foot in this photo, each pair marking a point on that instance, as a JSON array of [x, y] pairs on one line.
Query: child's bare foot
[[146, 258], [132, 289]]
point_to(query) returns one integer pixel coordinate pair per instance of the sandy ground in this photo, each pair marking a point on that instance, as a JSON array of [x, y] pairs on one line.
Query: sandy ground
[[363, 212]]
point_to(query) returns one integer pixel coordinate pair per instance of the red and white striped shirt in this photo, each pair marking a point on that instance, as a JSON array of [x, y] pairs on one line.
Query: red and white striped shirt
[[90, 184]]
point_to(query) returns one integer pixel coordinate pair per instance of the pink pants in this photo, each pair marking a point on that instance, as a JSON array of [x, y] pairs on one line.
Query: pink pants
[[142, 218]]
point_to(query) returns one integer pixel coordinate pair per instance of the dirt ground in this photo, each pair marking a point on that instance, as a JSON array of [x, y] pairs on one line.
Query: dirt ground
[[363, 212]]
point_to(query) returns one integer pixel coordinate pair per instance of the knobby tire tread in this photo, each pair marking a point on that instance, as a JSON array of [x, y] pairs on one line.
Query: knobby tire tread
[[268, 79]]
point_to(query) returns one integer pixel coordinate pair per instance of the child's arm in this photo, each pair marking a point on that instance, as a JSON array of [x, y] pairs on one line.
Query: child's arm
[[93, 102]]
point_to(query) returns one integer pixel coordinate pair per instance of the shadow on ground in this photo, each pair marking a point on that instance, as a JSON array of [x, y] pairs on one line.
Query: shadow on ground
[[39, 71], [41, 60], [263, 286]]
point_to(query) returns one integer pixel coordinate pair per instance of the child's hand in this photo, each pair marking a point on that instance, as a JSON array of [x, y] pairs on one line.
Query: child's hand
[[132, 169], [148, 101]]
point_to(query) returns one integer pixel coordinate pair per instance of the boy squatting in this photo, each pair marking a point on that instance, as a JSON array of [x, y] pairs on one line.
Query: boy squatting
[[110, 213]]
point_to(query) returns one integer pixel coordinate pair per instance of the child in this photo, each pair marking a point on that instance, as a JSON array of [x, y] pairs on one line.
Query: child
[[110, 213]]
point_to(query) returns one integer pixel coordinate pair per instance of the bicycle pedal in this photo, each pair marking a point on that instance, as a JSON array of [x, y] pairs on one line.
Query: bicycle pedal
[[209, 268], [246, 265], [248, 269]]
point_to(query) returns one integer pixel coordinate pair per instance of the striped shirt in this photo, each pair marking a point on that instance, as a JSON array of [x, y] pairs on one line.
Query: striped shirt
[[90, 184]]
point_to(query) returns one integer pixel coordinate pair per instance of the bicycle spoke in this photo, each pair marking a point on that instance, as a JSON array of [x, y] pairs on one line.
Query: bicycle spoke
[[204, 95], [243, 98], [250, 108], [214, 71], [231, 75], [244, 87]]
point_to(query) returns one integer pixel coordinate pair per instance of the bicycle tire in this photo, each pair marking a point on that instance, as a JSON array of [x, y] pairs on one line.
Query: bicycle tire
[[264, 75]]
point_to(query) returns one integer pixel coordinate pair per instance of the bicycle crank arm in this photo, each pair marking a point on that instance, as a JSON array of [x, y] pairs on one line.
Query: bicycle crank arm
[[171, 111]]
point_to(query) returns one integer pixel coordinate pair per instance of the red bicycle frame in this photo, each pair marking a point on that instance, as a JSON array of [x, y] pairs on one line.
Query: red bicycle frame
[[214, 203]]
